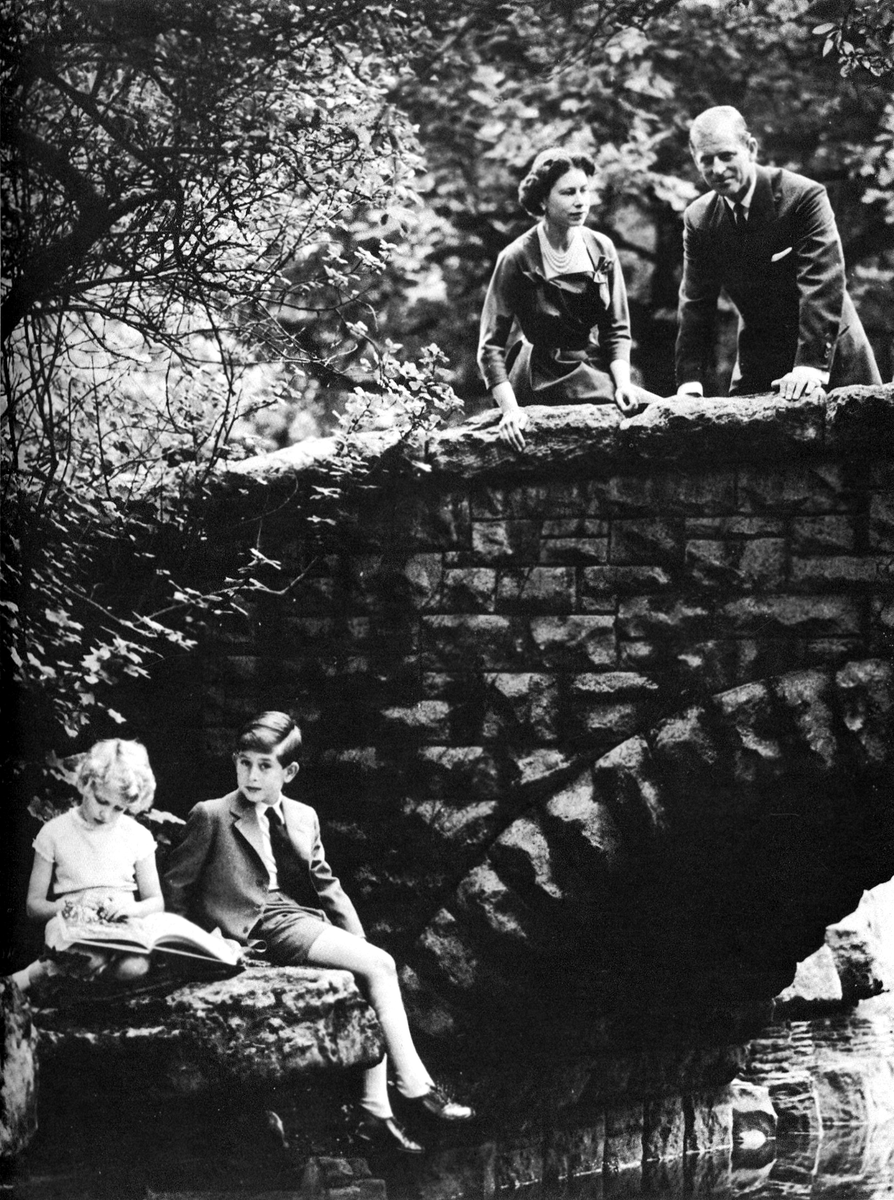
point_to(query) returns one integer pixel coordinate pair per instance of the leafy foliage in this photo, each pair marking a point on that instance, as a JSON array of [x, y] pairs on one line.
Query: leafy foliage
[[495, 95], [196, 197]]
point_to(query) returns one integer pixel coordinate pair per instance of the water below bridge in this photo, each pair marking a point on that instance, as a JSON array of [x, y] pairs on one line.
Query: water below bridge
[[196, 1158]]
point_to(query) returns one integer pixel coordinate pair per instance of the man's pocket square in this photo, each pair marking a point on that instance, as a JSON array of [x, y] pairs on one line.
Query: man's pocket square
[[781, 254]]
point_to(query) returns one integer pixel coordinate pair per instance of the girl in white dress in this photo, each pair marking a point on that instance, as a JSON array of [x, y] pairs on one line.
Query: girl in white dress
[[95, 862]]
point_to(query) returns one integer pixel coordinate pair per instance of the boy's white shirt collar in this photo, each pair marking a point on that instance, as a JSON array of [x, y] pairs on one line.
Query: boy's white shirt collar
[[264, 809]]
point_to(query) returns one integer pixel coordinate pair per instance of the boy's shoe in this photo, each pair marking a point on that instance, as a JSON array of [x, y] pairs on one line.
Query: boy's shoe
[[436, 1103], [384, 1133]]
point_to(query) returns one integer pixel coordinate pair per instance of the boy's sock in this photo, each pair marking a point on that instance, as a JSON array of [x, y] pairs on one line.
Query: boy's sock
[[22, 979], [375, 1091]]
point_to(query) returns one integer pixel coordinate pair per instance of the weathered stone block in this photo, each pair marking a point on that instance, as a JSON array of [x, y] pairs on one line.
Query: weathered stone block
[[807, 697], [443, 524], [519, 1162], [583, 831], [485, 899], [450, 1172], [654, 541], [574, 549], [833, 533], [578, 642], [604, 723], [537, 589], [757, 563], [816, 985], [298, 633], [865, 699], [830, 652], [659, 617], [807, 616], [754, 1117], [268, 1026], [859, 420], [795, 1099], [599, 587], [575, 527], [470, 642], [664, 1128], [537, 766], [843, 571], [725, 429], [710, 1121], [842, 1096], [494, 541], [521, 703], [614, 685], [794, 488], [859, 955], [469, 589], [556, 498], [443, 946], [417, 580], [679, 493], [623, 1137], [459, 770], [221, 704], [576, 1151], [625, 780], [722, 528], [18, 1084], [428, 720], [881, 521]]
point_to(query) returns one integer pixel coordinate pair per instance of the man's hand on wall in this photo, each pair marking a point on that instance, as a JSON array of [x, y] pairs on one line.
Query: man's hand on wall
[[799, 381]]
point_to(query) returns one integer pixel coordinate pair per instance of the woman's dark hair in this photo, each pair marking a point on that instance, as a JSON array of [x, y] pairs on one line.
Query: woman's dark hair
[[547, 167], [269, 732]]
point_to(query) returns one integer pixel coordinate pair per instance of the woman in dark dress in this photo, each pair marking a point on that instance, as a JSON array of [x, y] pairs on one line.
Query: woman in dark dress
[[562, 284]]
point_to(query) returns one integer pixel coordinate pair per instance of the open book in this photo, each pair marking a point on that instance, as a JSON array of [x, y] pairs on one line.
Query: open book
[[161, 931]]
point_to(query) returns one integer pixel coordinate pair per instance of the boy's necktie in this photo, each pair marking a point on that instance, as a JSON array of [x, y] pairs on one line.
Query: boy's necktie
[[288, 866]]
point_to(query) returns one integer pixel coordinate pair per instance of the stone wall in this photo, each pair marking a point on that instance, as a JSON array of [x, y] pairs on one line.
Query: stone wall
[[600, 733]]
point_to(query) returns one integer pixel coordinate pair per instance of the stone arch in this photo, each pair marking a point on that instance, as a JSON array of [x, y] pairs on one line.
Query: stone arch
[[684, 872]]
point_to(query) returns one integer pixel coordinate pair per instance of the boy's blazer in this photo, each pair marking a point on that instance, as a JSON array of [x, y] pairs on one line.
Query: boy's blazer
[[786, 277], [217, 878]]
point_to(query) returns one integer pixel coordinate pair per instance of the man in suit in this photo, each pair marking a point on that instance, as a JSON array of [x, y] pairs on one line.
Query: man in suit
[[252, 865], [767, 237]]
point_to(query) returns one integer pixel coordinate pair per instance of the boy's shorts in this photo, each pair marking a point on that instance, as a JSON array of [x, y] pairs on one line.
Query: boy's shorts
[[288, 930]]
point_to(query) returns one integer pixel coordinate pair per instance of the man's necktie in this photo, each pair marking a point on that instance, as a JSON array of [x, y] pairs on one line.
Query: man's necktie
[[288, 867], [740, 217]]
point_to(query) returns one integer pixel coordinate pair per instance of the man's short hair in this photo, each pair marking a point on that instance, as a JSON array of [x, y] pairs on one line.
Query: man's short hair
[[721, 116], [271, 732]]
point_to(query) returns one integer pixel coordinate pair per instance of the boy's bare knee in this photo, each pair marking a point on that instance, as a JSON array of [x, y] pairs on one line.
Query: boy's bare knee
[[383, 965], [130, 966]]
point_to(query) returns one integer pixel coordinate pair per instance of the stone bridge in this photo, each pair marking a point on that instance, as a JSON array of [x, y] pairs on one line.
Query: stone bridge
[[600, 733]]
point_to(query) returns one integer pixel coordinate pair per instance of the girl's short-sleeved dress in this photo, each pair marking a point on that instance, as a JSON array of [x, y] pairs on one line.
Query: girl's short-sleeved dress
[[90, 861], [572, 326]]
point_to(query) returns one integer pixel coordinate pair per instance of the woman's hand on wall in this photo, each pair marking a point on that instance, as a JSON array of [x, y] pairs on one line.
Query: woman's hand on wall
[[514, 418]]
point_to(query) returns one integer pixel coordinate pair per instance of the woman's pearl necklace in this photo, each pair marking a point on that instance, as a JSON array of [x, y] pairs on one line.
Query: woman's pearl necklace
[[559, 261]]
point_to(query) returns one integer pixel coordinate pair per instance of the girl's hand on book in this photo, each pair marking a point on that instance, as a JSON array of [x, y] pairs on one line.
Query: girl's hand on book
[[118, 908]]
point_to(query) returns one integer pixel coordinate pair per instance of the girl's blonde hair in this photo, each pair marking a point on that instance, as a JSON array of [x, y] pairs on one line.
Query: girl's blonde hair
[[122, 765]]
